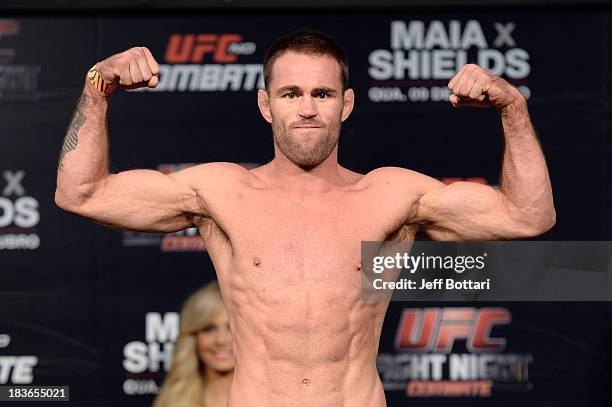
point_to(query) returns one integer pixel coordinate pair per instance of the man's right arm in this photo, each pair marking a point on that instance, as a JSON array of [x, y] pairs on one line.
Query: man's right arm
[[139, 199]]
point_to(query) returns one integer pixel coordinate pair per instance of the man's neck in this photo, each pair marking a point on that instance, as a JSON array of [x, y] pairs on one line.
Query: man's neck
[[323, 177]]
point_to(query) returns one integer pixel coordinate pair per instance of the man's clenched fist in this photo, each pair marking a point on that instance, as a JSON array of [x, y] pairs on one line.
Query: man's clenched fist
[[134, 68], [475, 86]]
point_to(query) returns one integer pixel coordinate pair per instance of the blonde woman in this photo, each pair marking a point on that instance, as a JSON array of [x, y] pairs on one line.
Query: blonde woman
[[203, 363]]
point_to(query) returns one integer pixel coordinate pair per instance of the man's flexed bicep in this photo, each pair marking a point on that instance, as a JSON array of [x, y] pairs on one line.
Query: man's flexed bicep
[[472, 211], [139, 200], [523, 205], [143, 200]]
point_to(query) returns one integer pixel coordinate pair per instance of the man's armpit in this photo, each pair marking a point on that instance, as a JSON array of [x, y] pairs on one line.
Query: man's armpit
[[209, 229]]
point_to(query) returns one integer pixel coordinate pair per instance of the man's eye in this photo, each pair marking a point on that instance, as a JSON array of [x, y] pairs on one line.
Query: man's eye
[[290, 95], [322, 95]]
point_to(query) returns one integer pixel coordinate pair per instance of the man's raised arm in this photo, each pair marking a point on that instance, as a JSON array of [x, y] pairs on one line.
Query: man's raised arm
[[140, 199], [523, 204]]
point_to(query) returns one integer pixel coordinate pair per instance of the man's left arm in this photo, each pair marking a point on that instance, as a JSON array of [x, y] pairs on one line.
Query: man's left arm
[[523, 205]]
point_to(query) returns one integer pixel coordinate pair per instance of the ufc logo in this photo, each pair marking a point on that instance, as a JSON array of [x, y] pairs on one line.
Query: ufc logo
[[436, 329], [191, 48], [8, 27]]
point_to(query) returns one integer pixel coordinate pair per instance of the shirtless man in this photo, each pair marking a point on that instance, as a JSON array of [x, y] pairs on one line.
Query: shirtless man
[[285, 237]]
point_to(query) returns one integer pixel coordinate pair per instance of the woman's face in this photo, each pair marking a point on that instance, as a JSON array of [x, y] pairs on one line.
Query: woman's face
[[215, 344]]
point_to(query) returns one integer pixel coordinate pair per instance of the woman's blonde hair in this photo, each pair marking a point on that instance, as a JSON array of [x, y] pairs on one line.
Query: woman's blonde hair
[[184, 384]]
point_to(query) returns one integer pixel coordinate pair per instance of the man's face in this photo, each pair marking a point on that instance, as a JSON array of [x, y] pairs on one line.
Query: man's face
[[305, 105]]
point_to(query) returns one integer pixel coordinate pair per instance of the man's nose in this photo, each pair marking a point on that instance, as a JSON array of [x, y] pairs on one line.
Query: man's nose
[[308, 107]]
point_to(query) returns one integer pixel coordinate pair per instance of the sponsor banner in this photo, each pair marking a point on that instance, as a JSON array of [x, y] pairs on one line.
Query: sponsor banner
[[15, 369], [428, 364], [184, 68], [422, 56], [19, 213], [137, 314], [494, 354], [146, 361], [17, 81]]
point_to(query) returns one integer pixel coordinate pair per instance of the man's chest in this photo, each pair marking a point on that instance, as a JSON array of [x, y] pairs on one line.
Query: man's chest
[[310, 231], [302, 221]]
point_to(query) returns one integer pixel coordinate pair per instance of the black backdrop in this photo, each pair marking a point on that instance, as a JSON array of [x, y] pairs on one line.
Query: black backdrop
[[76, 299]]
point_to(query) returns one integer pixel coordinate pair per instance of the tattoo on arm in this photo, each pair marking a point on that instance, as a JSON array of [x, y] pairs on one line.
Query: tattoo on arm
[[72, 134]]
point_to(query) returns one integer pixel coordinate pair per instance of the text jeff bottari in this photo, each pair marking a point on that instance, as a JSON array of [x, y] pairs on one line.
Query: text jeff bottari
[[435, 284]]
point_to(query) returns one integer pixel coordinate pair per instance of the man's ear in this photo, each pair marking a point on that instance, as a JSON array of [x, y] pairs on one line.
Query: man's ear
[[349, 102], [263, 101]]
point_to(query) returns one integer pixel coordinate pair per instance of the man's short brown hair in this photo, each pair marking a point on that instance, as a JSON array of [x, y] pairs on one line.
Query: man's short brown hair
[[309, 41]]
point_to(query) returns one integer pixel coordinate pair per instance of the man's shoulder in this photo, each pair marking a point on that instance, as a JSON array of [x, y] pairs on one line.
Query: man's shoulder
[[401, 179], [213, 173]]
